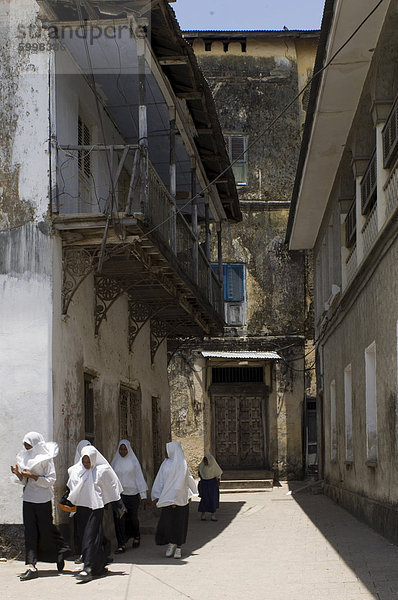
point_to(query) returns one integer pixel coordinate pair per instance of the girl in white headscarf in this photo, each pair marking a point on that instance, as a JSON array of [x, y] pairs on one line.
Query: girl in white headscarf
[[128, 469], [209, 491], [172, 490], [81, 515], [93, 484], [35, 470]]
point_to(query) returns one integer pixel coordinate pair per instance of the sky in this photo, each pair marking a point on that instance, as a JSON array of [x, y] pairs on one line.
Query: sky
[[248, 14]]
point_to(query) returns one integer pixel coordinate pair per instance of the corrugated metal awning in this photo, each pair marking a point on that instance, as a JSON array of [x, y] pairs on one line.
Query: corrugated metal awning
[[241, 355]]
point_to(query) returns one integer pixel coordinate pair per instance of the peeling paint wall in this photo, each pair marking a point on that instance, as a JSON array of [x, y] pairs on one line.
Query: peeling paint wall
[[106, 357], [24, 133], [250, 90]]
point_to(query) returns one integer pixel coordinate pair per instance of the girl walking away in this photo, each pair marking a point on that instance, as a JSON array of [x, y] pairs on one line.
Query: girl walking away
[[128, 469], [35, 470], [93, 484], [209, 486], [172, 491]]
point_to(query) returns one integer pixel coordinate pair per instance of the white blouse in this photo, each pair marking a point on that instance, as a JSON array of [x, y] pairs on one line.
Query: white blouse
[[40, 491]]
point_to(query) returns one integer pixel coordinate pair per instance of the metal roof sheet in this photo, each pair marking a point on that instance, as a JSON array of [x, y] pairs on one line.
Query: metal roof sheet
[[241, 355]]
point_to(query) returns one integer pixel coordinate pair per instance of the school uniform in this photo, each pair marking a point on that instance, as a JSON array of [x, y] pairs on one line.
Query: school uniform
[[92, 489], [173, 488], [43, 540], [129, 472]]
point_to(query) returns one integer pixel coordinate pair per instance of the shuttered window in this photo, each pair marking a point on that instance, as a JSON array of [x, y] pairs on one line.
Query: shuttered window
[[237, 151], [233, 283]]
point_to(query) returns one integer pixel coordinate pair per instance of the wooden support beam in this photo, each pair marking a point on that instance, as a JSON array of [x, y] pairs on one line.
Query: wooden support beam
[[165, 61], [190, 95]]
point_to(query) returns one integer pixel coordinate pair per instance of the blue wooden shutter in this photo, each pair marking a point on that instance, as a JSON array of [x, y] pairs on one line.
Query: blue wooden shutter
[[233, 283]]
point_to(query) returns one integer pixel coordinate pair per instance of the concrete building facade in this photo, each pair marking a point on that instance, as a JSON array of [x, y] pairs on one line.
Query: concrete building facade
[[100, 268], [247, 396], [345, 208]]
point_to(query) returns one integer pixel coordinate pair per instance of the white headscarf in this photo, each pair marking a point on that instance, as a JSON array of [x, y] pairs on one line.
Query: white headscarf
[[79, 448], [128, 470], [211, 470], [41, 451], [96, 486], [174, 483]]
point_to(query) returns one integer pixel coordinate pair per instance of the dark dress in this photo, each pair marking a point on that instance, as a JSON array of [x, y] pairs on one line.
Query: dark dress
[[209, 493], [173, 525], [43, 540], [128, 526], [79, 522], [95, 546]]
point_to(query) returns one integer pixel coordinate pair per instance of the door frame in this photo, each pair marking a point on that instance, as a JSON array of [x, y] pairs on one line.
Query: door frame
[[241, 389]]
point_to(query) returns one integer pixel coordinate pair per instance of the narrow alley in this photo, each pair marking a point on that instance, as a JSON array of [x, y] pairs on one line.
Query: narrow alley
[[267, 545]]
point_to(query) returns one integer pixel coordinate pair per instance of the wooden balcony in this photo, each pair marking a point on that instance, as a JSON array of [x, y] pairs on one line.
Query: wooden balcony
[[137, 242]]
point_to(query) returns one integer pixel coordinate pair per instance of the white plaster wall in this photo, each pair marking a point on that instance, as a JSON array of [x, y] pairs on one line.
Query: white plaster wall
[[371, 318], [77, 350], [30, 103], [25, 352]]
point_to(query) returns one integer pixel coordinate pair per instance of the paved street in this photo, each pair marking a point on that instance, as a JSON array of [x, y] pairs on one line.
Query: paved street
[[264, 546]]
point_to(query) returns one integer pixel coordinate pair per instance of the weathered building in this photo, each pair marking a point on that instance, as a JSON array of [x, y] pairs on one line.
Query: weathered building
[[345, 208], [248, 395], [100, 264]]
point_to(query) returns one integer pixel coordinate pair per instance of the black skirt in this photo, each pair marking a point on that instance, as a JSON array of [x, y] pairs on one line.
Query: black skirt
[[209, 493], [128, 526], [79, 523], [43, 540], [95, 547], [173, 525]]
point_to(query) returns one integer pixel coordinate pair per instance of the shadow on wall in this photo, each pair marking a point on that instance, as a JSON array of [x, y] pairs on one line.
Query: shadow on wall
[[370, 556]]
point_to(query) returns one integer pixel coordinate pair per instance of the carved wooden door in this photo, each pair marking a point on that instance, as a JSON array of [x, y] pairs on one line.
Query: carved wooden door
[[239, 431]]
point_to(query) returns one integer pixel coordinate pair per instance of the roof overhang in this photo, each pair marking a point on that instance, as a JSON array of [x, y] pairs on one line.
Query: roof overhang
[[333, 102], [241, 355]]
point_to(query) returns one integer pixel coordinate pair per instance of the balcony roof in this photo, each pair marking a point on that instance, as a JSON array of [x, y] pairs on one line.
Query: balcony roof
[[181, 69], [334, 98]]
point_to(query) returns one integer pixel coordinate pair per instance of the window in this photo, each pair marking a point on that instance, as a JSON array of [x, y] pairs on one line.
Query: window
[[233, 283], [130, 417], [348, 413], [237, 375], [371, 406], [89, 428], [333, 423], [237, 151]]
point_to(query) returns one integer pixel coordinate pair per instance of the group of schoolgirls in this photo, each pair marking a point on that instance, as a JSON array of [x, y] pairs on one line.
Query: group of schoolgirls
[[94, 483]]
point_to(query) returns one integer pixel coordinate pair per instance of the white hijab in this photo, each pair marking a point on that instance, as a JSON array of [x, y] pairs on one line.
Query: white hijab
[[41, 451], [128, 470], [211, 470], [174, 483], [79, 448], [96, 486]]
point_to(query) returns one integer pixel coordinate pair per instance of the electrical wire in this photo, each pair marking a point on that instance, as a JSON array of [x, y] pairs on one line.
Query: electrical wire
[[278, 116]]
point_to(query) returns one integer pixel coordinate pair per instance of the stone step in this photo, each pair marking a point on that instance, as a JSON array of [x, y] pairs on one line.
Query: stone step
[[245, 490], [244, 481]]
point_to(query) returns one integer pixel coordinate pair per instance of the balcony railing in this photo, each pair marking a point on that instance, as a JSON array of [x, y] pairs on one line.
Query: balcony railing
[[137, 190], [369, 230], [369, 186], [390, 137], [391, 191]]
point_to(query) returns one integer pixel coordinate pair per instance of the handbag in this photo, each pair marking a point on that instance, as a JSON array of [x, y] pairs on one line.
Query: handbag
[[65, 505]]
